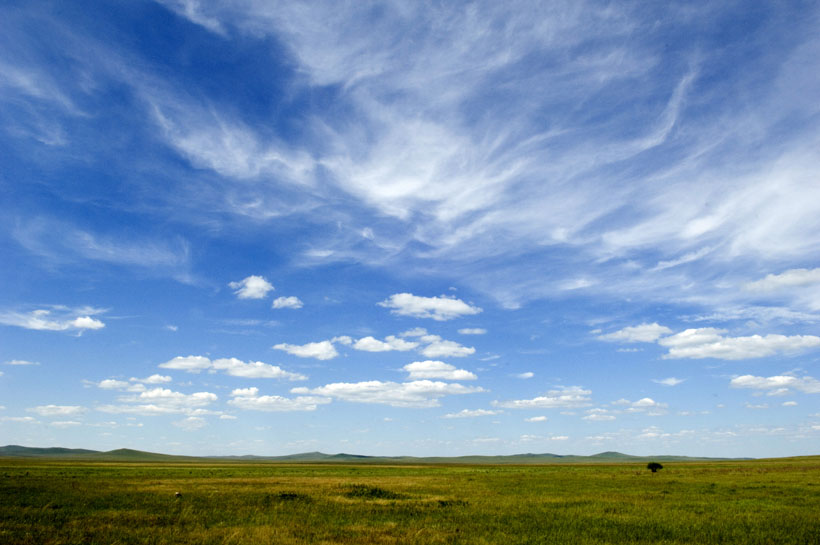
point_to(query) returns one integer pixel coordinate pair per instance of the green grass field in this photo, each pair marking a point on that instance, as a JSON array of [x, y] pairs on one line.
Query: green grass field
[[755, 502]]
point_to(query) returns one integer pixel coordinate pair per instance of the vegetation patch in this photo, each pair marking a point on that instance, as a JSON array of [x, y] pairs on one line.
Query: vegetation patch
[[367, 492]]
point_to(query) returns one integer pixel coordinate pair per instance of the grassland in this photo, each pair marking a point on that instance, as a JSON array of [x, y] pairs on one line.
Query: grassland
[[48, 501]]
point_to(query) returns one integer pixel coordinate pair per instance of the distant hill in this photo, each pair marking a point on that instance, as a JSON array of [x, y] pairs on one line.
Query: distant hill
[[130, 455]]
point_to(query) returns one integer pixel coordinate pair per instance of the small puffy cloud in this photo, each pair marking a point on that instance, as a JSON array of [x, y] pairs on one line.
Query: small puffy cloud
[[710, 343], [170, 327], [671, 381], [536, 419], [227, 417], [252, 287], [192, 423], [643, 333], [370, 344], [525, 376], [438, 308], [57, 318], [471, 413], [159, 401], [254, 369], [230, 366], [777, 383], [472, 331], [58, 410], [112, 384], [759, 406], [323, 350], [789, 404], [598, 415], [22, 362], [192, 364], [342, 339], [564, 397], [288, 302], [793, 278], [415, 332], [436, 369], [249, 399], [65, 424], [416, 394], [440, 348], [153, 379], [19, 419]]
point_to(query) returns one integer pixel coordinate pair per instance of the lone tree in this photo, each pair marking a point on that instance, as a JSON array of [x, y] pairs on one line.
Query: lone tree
[[654, 466]]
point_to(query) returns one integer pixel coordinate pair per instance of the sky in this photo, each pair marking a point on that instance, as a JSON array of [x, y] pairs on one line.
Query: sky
[[410, 228]]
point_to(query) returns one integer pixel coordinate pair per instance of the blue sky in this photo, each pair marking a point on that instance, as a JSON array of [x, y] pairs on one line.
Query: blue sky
[[410, 228]]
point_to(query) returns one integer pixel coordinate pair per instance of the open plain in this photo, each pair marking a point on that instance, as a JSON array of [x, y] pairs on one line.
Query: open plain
[[48, 501]]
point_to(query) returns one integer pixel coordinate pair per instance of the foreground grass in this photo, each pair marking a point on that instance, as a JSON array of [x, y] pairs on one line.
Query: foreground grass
[[760, 502]]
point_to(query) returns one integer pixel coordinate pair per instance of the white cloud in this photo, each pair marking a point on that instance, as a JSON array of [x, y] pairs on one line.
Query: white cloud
[[251, 287], [58, 410], [671, 381], [438, 308], [536, 419], [322, 350], [22, 362], [644, 333], [806, 384], [526, 375], [710, 343], [415, 332], [471, 413], [436, 369], [254, 369], [419, 393], [113, 384], [789, 404], [598, 415], [563, 397], [472, 331], [231, 366], [370, 344], [440, 348], [19, 419], [65, 424], [249, 399], [192, 423], [57, 318], [793, 278], [153, 379], [288, 302]]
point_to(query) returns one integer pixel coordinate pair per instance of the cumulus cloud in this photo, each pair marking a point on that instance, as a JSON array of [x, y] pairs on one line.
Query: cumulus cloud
[[391, 342], [417, 394], [159, 401], [231, 366], [710, 343], [778, 383], [58, 410], [471, 413], [438, 308], [436, 369], [251, 287], [671, 381], [525, 376], [322, 350], [472, 331], [22, 362], [563, 397], [536, 419], [249, 399], [192, 423], [440, 348], [57, 318], [153, 379], [644, 333], [793, 278], [288, 302], [598, 415]]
